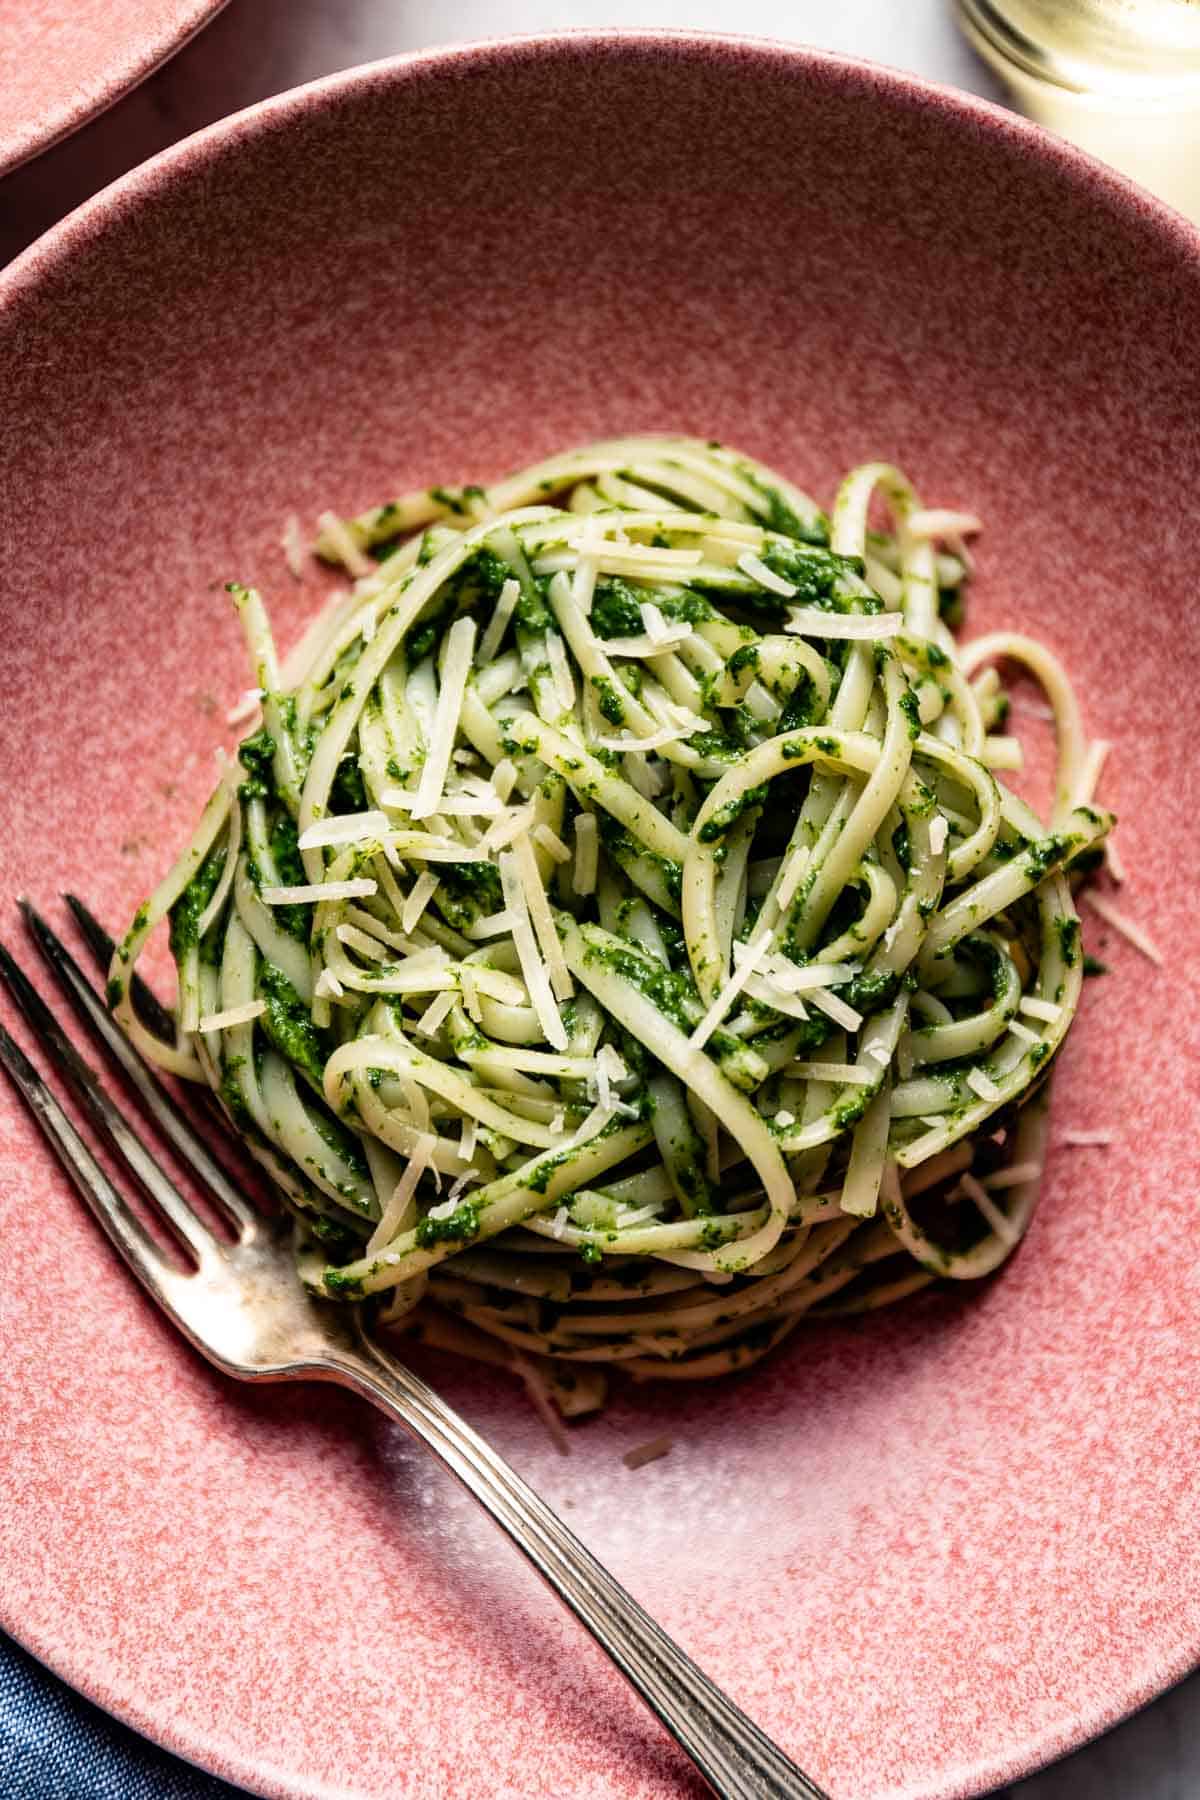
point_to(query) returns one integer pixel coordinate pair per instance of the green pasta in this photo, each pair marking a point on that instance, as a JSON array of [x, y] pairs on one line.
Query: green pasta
[[614, 939]]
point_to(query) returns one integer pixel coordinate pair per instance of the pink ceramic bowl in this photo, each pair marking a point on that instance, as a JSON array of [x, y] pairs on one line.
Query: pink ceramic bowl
[[64, 61], [928, 1550]]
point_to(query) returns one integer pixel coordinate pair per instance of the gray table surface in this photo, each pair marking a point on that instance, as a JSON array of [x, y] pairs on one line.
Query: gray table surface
[[260, 47]]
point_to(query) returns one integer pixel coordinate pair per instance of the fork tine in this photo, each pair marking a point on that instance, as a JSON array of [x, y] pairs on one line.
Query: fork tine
[[83, 1081], [152, 1011], [163, 1108], [120, 1224]]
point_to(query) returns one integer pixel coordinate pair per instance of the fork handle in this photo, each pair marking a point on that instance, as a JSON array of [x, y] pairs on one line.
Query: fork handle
[[737, 1759]]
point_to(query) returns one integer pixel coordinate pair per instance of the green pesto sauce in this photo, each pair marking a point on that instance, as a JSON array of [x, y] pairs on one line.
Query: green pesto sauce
[[728, 815], [910, 706], [776, 514], [256, 755], [186, 913], [346, 791], [1068, 939], [609, 701], [288, 1023], [283, 841], [1042, 856], [872, 990], [459, 1227], [671, 990], [468, 891], [625, 848], [342, 1142], [802, 705]]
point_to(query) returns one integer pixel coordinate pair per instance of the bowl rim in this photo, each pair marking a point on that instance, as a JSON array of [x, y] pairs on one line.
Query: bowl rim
[[126, 72], [146, 181], [150, 181]]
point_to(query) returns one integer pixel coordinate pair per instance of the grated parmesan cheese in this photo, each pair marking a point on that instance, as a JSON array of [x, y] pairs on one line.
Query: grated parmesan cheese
[[1033, 1008], [539, 1395], [1128, 929], [757, 570], [810, 621], [344, 828], [244, 707], [496, 626], [292, 544], [835, 1009], [422, 892], [653, 622], [560, 670], [552, 843], [583, 579], [999, 1222], [367, 946], [770, 993], [609, 1068], [939, 830], [1089, 774], [344, 545], [647, 646], [436, 1013], [792, 875], [646, 778], [361, 888], [848, 1073], [752, 955], [1085, 1140], [1014, 1176], [648, 1452], [938, 522], [1114, 860], [504, 778], [982, 1084], [670, 734], [420, 1158], [470, 994], [234, 1015], [456, 666], [1001, 752], [508, 827], [542, 918], [492, 925], [797, 978], [537, 981]]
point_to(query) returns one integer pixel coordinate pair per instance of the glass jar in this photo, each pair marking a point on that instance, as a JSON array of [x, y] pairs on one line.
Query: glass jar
[[1121, 78]]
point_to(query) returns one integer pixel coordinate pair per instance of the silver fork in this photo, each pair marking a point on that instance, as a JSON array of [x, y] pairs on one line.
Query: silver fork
[[243, 1308]]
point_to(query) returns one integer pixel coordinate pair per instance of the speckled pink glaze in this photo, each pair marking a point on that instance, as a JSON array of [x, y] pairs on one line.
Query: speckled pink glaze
[[64, 61], [927, 1551]]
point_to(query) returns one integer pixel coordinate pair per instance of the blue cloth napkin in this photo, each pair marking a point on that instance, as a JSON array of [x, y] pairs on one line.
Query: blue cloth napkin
[[56, 1746]]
